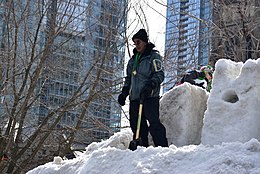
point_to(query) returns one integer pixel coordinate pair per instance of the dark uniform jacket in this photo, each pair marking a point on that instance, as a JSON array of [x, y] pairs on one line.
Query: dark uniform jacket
[[149, 68], [191, 76], [196, 77]]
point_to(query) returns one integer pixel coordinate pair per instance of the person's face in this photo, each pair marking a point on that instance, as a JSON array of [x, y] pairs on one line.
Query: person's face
[[140, 45], [208, 75]]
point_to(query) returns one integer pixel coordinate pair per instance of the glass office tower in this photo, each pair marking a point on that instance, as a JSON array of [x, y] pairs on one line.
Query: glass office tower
[[187, 40], [88, 31]]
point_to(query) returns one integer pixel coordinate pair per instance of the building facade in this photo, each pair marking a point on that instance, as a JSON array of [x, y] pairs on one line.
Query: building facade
[[187, 40], [79, 52], [88, 40]]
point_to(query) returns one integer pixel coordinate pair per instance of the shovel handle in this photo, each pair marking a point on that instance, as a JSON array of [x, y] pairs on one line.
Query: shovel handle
[[139, 120]]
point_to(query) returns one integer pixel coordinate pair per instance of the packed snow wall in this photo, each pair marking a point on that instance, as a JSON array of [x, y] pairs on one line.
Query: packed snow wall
[[233, 112], [182, 111]]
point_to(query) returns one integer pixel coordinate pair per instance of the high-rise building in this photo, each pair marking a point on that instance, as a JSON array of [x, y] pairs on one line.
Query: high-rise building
[[187, 40], [79, 53], [86, 55]]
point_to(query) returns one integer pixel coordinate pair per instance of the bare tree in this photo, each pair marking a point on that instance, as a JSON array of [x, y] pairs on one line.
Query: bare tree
[[230, 31], [236, 31], [188, 41], [60, 68]]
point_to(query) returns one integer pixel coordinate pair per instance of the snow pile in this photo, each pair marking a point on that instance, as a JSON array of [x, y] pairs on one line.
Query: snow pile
[[182, 112], [119, 140], [229, 158], [233, 112], [229, 134]]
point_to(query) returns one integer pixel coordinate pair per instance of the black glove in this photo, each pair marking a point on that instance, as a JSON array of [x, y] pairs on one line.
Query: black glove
[[147, 89], [122, 97]]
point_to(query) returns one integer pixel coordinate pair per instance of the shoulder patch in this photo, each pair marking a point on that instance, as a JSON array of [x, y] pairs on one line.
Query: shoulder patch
[[157, 65]]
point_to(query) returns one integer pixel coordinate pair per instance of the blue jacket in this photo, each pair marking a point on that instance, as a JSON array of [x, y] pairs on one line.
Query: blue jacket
[[149, 68]]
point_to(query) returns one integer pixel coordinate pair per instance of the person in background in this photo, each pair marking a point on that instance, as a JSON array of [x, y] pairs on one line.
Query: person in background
[[142, 83], [202, 77]]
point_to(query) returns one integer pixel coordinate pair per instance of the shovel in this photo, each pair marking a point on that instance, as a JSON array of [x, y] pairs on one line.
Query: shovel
[[137, 141]]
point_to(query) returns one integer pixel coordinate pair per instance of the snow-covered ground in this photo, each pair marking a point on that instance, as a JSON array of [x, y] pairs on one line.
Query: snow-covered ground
[[224, 140]]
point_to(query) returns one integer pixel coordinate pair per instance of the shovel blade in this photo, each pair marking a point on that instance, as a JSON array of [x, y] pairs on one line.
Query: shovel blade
[[134, 143]]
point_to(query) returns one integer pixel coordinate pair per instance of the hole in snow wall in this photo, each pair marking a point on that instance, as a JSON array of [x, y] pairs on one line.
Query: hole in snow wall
[[230, 96]]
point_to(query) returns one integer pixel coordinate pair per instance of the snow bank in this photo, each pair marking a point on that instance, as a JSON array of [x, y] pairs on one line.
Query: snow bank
[[231, 158], [233, 112], [182, 112]]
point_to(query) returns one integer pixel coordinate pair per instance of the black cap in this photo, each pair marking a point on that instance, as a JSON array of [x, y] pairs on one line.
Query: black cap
[[142, 35]]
